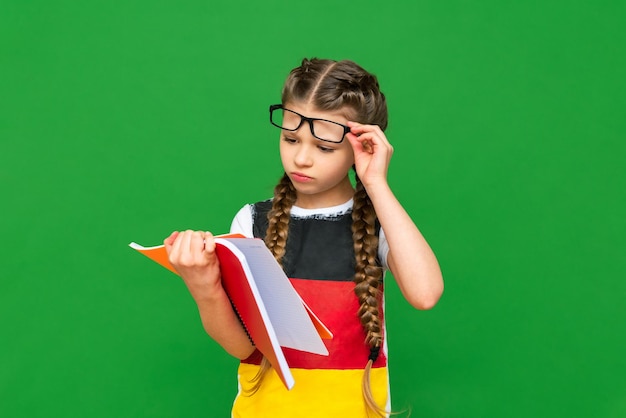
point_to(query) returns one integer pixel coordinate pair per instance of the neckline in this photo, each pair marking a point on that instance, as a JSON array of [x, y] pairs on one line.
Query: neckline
[[299, 212]]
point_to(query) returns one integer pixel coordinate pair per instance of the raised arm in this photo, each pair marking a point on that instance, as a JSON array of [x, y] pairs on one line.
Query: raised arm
[[410, 259], [192, 253]]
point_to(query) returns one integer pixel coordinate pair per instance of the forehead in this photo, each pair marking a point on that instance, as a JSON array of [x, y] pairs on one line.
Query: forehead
[[310, 111]]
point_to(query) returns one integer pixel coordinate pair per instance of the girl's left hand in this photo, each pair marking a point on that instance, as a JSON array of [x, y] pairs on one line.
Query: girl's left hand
[[372, 152]]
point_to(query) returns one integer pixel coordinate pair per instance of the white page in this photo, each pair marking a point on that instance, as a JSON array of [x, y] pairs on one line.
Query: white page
[[290, 320]]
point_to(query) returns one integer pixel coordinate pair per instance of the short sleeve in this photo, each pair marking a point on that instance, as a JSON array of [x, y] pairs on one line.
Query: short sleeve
[[383, 249], [242, 223]]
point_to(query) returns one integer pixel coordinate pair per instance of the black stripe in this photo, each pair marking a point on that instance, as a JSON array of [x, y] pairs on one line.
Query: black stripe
[[318, 247]]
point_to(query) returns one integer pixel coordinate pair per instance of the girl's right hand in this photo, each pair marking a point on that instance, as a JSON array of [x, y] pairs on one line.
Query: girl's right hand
[[192, 254]]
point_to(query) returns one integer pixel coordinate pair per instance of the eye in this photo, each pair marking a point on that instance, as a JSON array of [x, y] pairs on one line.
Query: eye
[[325, 149], [289, 140]]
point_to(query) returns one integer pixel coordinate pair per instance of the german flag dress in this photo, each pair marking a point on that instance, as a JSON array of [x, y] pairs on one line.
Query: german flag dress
[[319, 261]]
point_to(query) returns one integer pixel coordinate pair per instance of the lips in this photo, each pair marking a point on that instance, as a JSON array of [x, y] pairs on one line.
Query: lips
[[300, 177]]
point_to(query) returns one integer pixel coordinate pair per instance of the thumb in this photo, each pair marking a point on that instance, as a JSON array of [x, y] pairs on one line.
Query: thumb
[[209, 246]]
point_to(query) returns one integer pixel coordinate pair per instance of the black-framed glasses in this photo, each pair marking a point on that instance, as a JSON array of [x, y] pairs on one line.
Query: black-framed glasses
[[325, 130]]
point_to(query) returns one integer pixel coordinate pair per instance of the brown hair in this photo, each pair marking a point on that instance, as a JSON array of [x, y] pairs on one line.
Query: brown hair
[[331, 86]]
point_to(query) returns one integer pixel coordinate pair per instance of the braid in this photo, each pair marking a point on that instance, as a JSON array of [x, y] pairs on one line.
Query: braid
[[367, 278], [276, 241], [278, 217], [367, 272]]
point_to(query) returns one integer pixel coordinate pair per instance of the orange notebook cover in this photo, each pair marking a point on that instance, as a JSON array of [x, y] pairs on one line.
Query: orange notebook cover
[[271, 311]]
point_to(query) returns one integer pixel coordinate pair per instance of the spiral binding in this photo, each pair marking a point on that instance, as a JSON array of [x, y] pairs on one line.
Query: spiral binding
[[245, 328]]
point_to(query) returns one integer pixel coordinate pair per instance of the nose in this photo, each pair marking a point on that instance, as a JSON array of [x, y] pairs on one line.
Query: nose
[[303, 156], [304, 152]]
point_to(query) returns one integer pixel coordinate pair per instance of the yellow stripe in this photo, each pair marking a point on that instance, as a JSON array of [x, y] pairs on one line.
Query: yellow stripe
[[317, 393]]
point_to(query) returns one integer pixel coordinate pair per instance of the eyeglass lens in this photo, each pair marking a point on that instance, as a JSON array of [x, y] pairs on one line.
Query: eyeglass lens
[[321, 129]]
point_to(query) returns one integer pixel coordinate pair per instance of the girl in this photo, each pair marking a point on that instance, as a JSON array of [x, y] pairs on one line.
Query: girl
[[334, 240]]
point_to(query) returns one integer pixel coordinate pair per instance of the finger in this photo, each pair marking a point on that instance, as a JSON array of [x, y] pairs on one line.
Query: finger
[[367, 141], [188, 247], [363, 136], [353, 140], [185, 247], [169, 241], [196, 243], [367, 145], [209, 242], [359, 144], [176, 249], [185, 240], [209, 248], [376, 139], [358, 128]]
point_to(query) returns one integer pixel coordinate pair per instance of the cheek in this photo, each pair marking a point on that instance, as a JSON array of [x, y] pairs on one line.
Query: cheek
[[283, 150], [348, 158], [340, 166], [349, 154]]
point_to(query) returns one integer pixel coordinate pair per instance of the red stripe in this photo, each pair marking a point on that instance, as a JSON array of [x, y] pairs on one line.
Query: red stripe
[[336, 305]]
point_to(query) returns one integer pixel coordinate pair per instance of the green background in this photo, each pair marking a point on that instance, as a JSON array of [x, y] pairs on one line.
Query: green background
[[122, 121]]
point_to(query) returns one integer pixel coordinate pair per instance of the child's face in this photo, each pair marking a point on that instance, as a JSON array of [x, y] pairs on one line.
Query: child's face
[[317, 169]]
